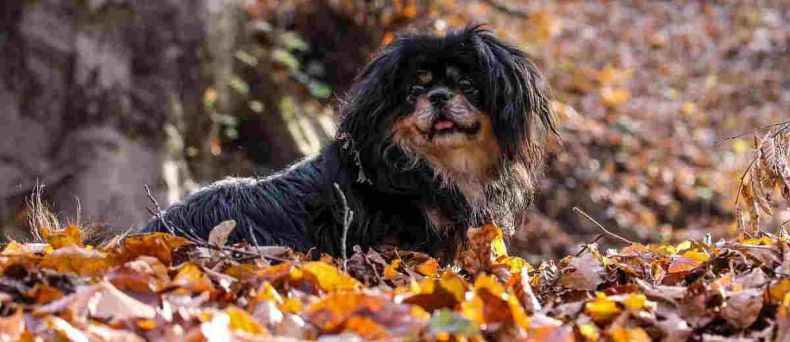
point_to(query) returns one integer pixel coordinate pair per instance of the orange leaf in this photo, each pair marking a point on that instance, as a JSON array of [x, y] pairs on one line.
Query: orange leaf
[[391, 271], [621, 334], [69, 236], [332, 311], [429, 268], [434, 294], [12, 327], [367, 328], [158, 245], [688, 261], [192, 279], [76, 260]]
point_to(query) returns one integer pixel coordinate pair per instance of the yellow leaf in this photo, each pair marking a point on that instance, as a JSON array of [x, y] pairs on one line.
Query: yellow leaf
[[601, 308], [514, 264], [240, 320], [683, 246], [291, 305], [330, 278], [688, 108], [590, 331], [687, 261], [614, 97], [267, 292], [635, 301]]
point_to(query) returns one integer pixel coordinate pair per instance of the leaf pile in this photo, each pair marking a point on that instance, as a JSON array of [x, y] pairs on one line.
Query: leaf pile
[[162, 287]]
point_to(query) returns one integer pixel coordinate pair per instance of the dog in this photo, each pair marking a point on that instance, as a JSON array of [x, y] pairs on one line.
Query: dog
[[437, 134]]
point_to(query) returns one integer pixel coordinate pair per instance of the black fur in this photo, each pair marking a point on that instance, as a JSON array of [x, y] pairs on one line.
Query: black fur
[[388, 189]]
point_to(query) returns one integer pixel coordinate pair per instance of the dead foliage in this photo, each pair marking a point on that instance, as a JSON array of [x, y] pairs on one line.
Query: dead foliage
[[163, 287]]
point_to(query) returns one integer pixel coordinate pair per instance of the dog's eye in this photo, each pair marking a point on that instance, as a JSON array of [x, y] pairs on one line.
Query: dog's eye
[[465, 84], [416, 90]]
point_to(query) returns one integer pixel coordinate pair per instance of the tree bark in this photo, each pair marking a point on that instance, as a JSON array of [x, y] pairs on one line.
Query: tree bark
[[87, 89]]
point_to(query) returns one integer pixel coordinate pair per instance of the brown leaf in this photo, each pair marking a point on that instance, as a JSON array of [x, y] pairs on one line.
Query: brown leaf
[[220, 233], [743, 307], [583, 273], [108, 302]]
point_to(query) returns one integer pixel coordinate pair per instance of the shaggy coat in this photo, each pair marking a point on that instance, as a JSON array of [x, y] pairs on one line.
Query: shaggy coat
[[439, 133]]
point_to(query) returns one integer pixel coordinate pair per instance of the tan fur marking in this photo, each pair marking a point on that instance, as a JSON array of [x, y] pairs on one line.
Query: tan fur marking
[[467, 161]]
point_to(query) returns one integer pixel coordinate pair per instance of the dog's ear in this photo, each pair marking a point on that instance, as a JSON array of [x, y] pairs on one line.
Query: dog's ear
[[517, 94], [366, 111]]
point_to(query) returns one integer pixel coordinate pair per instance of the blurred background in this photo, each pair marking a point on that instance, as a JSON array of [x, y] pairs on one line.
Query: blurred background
[[101, 97]]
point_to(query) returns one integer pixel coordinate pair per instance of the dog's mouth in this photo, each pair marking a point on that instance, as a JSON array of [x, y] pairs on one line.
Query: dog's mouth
[[444, 128]]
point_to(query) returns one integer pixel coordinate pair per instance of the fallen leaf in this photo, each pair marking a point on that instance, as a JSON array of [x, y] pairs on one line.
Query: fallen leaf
[[330, 278], [220, 233], [77, 260], [601, 308], [429, 268], [583, 273], [69, 236], [743, 307]]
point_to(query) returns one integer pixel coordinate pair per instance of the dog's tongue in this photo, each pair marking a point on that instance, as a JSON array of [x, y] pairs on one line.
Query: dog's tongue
[[443, 124]]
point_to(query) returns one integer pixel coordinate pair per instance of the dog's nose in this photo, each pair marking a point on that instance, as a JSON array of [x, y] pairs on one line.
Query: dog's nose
[[439, 97]]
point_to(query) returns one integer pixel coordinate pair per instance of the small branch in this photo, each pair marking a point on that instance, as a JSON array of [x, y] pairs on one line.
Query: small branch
[[158, 213], [255, 240], [586, 246], [507, 8], [576, 209], [348, 215], [752, 131]]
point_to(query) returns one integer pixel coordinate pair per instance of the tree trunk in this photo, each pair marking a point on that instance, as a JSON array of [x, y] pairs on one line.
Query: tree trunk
[[87, 91]]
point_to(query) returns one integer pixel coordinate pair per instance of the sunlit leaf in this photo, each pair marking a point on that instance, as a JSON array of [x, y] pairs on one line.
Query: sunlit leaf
[[330, 278], [601, 308]]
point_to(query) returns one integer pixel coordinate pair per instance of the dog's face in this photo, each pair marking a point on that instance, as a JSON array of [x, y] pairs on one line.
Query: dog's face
[[442, 121], [465, 109]]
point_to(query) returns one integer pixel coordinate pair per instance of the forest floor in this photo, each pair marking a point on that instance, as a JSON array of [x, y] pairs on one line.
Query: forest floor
[[648, 94]]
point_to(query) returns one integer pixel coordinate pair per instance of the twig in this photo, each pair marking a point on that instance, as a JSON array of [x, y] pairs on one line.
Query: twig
[[584, 248], [765, 248], [757, 155], [158, 214], [254, 240], [576, 209], [507, 8], [743, 178], [347, 217], [752, 131]]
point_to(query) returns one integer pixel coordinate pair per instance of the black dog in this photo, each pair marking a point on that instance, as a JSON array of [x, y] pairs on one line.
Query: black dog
[[438, 134]]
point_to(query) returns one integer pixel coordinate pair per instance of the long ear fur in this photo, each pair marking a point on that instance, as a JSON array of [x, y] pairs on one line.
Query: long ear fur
[[365, 128], [518, 96]]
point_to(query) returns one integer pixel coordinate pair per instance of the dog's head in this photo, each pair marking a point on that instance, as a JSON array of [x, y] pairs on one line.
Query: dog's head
[[465, 109]]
